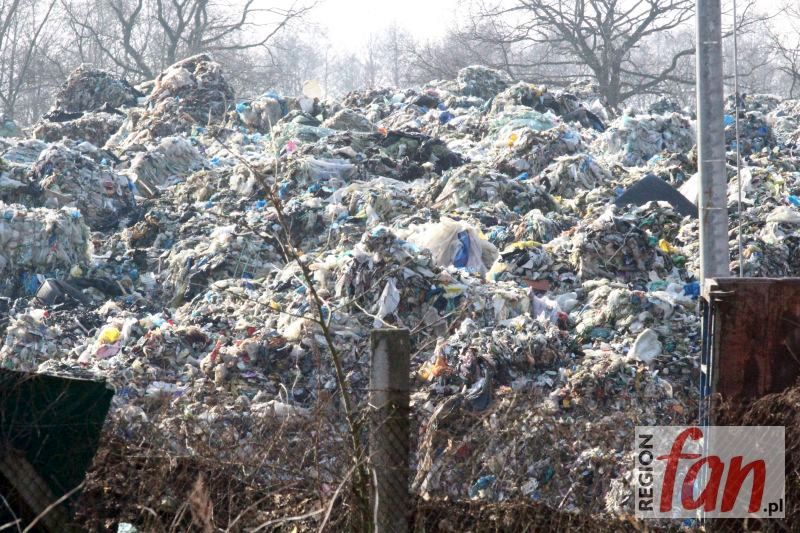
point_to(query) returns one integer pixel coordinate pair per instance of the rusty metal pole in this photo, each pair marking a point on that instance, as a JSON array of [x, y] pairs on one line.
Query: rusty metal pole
[[389, 448]]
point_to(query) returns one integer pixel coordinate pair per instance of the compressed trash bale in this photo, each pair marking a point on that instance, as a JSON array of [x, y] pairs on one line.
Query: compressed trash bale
[[763, 103], [663, 106], [616, 246], [755, 133], [418, 152], [206, 256], [636, 139], [95, 128], [569, 174], [540, 226], [15, 183], [504, 123], [191, 93], [525, 260], [67, 177], [9, 128], [529, 143], [28, 341], [476, 183], [41, 240], [261, 113], [285, 131], [785, 121], [172, 156], [347, 119], [519, 94], [481, 81], [380, 200], [89, 89], [24, 151], [307, 171]]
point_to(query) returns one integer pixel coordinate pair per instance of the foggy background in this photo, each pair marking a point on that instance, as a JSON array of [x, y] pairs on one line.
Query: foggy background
[[636, 51]]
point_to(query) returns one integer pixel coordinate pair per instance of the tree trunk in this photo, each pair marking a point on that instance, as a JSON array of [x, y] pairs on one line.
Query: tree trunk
[[614, 89]]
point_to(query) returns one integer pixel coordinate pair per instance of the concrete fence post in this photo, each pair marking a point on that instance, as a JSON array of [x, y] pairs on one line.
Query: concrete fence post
[[390, 498]]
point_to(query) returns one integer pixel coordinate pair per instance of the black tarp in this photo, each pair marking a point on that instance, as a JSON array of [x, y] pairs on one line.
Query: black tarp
[[54, 424]]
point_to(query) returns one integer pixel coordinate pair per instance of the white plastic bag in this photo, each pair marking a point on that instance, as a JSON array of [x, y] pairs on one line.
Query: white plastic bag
[[390, 299], [455, 243]]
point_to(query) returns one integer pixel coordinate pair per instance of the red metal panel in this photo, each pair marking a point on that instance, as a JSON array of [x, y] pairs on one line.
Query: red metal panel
[[756, 329]]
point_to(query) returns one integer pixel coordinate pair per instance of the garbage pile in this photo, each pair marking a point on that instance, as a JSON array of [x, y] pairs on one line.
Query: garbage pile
[[88, 107], [9, 128], [548, 317], [40, 241], [68, 177], [191, 94]]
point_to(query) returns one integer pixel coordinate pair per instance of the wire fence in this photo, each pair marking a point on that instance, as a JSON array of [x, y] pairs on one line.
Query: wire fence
[[162, 468], [294, 475]]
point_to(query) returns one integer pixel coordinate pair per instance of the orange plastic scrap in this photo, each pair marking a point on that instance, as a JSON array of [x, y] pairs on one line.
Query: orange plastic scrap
[[440, 368]]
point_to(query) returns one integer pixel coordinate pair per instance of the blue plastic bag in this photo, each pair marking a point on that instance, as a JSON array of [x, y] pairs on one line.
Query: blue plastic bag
[[462, 257]]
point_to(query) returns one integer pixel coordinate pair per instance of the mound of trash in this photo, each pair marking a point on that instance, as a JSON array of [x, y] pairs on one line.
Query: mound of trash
[[551, 309]]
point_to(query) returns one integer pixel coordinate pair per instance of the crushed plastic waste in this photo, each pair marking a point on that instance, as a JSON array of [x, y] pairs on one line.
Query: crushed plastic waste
[[68, 177], [9, 128], [90, 89], [40, 240], [487, 216], [188, 95], [90, 107], [636, 139]]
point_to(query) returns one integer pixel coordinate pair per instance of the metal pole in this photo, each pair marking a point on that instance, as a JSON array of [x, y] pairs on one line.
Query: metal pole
[[714, 254]]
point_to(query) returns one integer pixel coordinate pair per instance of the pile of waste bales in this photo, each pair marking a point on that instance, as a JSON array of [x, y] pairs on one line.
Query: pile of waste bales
[[159, 237]]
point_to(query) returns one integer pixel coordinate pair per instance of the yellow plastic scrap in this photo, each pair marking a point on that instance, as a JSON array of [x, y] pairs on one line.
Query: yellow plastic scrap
[[522, 245], [512, 139], [109, 335], [497, 268], [425, 372], [667, 247], [275, 306], [451, 291]]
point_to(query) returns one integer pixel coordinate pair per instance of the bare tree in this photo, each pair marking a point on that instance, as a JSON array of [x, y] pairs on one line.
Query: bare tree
[[785, 46], [141, 37], [346, 73], [22, 29], [371, 68], [458, 48], [598, 35], [293, 58], [393, 46]]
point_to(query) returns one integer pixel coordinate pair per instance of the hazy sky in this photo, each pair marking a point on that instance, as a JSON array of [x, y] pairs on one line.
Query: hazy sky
[[349, 22]]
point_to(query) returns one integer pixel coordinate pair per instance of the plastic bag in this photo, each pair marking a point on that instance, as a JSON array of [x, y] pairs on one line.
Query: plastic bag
[[455, 243], [647, 346], [390, 299]]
